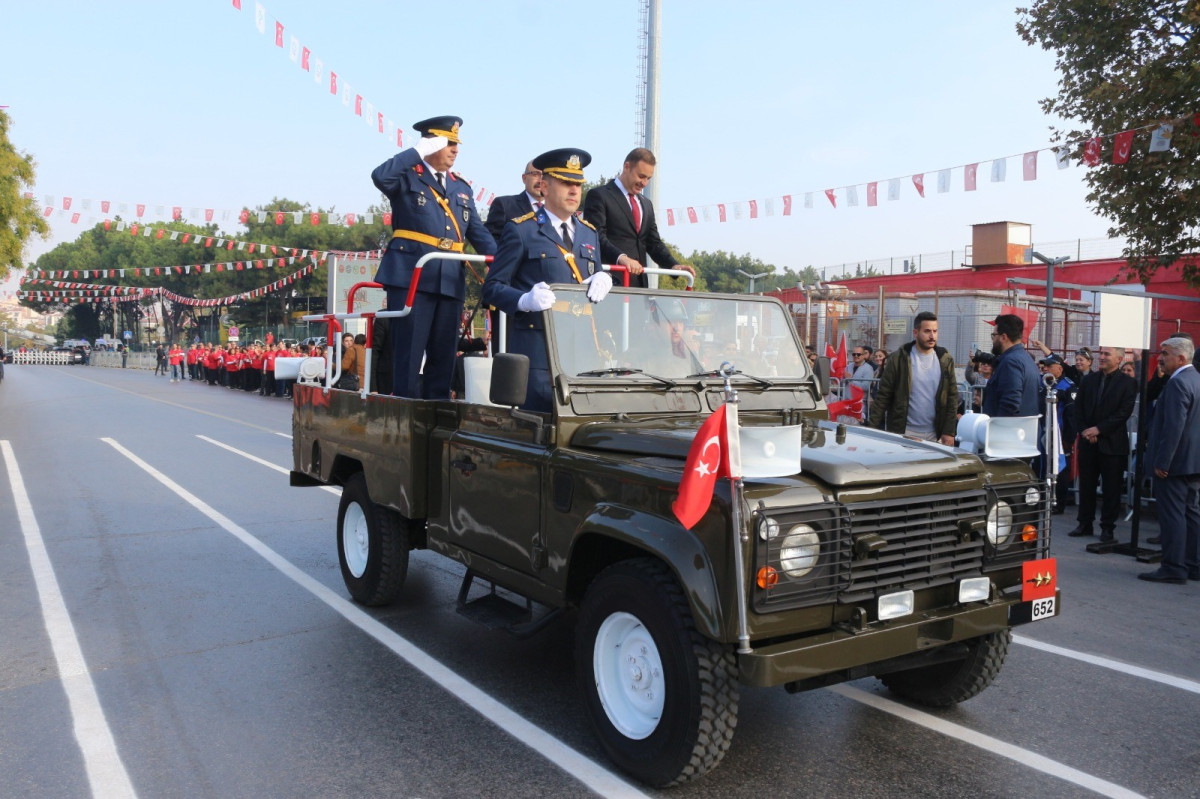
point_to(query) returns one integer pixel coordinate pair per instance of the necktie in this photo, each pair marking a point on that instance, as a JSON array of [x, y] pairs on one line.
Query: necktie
[[538, 206], [637, 212], [441, 179], [566, 233]]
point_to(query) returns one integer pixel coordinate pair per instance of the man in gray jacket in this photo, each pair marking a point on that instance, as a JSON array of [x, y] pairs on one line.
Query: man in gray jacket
[[918, 392]]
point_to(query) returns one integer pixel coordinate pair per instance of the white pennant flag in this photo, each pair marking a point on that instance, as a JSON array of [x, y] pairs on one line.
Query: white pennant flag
[[943, 181], [294, 49], [346, 94], [894, 189], [808, 199], [262, 217], [737, 210], [368, 219], [297, 216], [998, 170], [193, 213], [1062, 155], [1160, 138], [160, 211], [87, 204], [770, 206], [318, 70], [174, 235], [260, 17], [852, 195]]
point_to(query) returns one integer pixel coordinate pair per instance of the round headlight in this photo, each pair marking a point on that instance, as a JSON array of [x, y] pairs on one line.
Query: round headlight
[[768, 528], [1032, 496], [999, 523], [800, 551]]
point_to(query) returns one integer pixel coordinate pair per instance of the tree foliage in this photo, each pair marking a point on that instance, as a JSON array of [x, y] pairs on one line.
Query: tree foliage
[[19, 217], [1126, 64]]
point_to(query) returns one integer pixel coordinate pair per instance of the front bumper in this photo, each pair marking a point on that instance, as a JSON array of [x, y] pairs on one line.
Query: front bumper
[[844, 650]]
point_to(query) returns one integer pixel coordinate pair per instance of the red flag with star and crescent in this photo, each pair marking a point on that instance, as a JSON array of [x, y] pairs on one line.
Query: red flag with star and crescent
[[707, 460]]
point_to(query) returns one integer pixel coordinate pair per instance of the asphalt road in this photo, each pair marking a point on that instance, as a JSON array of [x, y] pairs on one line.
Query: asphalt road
[[173, 624]]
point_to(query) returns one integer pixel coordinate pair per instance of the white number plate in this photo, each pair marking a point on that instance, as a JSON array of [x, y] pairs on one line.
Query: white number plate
[[1042, 608]]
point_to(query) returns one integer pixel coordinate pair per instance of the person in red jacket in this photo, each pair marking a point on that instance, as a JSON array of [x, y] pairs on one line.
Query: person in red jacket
[[252, 379], [211, 362], [175, 356], [233, 366], [192, 358]]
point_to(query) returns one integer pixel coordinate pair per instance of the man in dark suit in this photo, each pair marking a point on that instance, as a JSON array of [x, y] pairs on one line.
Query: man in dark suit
[[512, 206], [1012, 390], [432, 211], [1102, 408], [549, 246], [624, 218], [1173, 453]]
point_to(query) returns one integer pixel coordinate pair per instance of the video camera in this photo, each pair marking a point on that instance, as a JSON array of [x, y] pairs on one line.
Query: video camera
[[980, 358]]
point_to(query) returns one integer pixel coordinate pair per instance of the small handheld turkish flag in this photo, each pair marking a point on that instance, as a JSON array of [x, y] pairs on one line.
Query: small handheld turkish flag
[[706, 461]]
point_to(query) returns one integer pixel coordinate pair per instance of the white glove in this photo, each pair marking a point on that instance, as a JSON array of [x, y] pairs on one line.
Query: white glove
[[598, 286], [538, 298], [426, 147]]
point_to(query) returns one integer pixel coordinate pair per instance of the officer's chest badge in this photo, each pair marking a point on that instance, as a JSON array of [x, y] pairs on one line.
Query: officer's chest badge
[[466, 214], [421, 199]]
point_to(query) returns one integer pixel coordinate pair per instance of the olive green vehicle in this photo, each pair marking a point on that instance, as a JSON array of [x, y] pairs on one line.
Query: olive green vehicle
[[866, 554]]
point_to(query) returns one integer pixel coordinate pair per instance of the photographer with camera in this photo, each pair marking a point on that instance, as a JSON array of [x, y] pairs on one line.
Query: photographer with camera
[[976, 374]]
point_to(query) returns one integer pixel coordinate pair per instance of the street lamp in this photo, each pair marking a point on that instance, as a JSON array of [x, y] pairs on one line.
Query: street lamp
[[1050, 264], [752, 278]]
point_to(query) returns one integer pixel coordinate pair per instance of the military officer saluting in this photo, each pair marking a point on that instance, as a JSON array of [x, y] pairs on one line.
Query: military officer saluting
[[548, 246], [432, 211]]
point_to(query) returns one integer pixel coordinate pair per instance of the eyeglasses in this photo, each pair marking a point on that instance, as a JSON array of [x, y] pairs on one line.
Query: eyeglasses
[[531, 174], [858, 354]]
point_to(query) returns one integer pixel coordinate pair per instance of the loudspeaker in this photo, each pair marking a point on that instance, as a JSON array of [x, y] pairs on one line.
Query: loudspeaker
[[1000, 437]]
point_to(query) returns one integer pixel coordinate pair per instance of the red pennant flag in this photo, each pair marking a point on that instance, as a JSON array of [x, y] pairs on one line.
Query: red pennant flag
[[358, 105], [159, 233], [333, 82], [274, 250], [872, 194], [208, 214], [691, 214], [141, 210], [75, 218], [237, 4], [919, 182], [1029, 165], [670, 217], [258, 264], [176, 213], [1122, 145], [48, 210], [186, 237], [721, 211], [387, 219], [157, 271], [107, 224], [133, 229], [832, 196], [244, 216], [229, 244], [279, 217], [220, 267], [278, 34], [239, 266], [315, 219], [381, 122], [787, 205], [850, 407], [1091, 151], [970, 172], [350, 220], [399, 138], [304, 54], [66, 203], [706, 461], [179, 270], [754, 209], [1027, 315], [251, 248], [104, 206], [208, 242]]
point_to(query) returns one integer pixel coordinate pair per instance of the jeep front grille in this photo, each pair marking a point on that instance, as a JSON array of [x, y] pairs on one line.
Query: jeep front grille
[[922, 543]]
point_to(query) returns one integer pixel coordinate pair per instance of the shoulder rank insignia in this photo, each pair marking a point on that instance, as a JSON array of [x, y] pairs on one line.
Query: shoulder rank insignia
[[585, 222], [525, 218]]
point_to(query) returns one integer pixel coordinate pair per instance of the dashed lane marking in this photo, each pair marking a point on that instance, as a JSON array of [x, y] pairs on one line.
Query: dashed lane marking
[[1108, 663], [577, 765], [258, 460], [105, 772]]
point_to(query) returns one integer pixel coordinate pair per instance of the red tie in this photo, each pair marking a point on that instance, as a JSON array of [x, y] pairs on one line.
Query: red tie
[[637, 213]]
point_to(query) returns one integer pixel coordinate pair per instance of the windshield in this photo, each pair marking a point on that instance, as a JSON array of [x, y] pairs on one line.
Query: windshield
[[673, 335]]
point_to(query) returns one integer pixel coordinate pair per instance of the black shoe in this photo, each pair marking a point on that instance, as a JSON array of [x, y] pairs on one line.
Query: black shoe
[[1154, 540], [1157, 576], [1107, 536], [1081, 530]]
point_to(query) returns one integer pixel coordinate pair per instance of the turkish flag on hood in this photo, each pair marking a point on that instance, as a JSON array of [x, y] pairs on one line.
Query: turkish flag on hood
[[707, 460]]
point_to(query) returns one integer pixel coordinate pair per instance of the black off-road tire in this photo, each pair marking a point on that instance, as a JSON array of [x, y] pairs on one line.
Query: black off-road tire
[[698, 677], [946, 684], [374, 572]]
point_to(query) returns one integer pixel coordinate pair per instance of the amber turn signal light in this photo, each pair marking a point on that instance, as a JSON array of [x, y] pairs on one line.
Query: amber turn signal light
[[767, 577], [1029, 533]]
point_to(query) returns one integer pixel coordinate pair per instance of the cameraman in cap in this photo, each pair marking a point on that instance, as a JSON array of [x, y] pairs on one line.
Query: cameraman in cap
[[1067, 390]]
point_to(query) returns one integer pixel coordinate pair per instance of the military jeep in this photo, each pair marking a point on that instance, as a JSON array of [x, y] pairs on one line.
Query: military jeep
[[860, 554]]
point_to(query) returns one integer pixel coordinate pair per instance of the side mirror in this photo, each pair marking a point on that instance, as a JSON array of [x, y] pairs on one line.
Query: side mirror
[[822, 371], [510, 379]]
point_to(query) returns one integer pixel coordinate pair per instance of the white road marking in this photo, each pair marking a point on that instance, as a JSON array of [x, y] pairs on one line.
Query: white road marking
[[986, 742], [105, 772], [582, 768], [1108, 663], [258, 460]]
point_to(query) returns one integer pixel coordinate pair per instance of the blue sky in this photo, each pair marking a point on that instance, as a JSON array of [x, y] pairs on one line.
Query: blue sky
[[185, 103]]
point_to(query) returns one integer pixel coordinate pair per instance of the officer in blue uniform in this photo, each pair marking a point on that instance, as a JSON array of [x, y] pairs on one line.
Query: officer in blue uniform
[[548, 246], [432, 211]]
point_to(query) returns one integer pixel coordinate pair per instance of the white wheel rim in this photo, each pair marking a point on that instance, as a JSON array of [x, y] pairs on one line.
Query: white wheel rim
[[629, 675], [356, 539]]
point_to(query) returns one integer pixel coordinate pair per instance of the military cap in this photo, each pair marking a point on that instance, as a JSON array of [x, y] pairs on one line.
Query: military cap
[[565, 163], [439, 126], [1052, 359]]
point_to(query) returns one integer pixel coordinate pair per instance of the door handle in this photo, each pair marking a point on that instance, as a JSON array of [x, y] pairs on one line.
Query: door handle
[[464, 465]]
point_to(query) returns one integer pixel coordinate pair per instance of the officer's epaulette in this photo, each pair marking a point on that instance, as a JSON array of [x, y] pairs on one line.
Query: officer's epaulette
[[584, 221], [458, 176], [525, 218]]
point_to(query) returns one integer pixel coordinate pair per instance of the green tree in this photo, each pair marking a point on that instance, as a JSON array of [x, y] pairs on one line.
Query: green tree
[[1126, 64], [19, 217]]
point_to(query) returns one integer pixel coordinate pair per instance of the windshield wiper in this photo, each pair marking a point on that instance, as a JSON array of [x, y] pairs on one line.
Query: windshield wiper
[[762, 381], [625, 370]]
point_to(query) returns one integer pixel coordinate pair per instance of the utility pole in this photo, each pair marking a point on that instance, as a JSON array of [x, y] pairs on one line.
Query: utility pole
[[648, 91], [752, 278], [1050, 264]]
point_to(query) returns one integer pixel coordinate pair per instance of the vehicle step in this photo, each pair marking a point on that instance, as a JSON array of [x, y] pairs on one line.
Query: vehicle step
[[495, 612]]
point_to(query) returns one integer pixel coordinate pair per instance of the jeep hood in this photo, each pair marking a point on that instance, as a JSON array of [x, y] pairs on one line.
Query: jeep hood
[[860, 456]]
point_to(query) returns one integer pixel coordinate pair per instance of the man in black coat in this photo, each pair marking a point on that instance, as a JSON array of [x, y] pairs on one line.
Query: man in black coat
[[1102, 407], [513, 206], [624, 218]]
